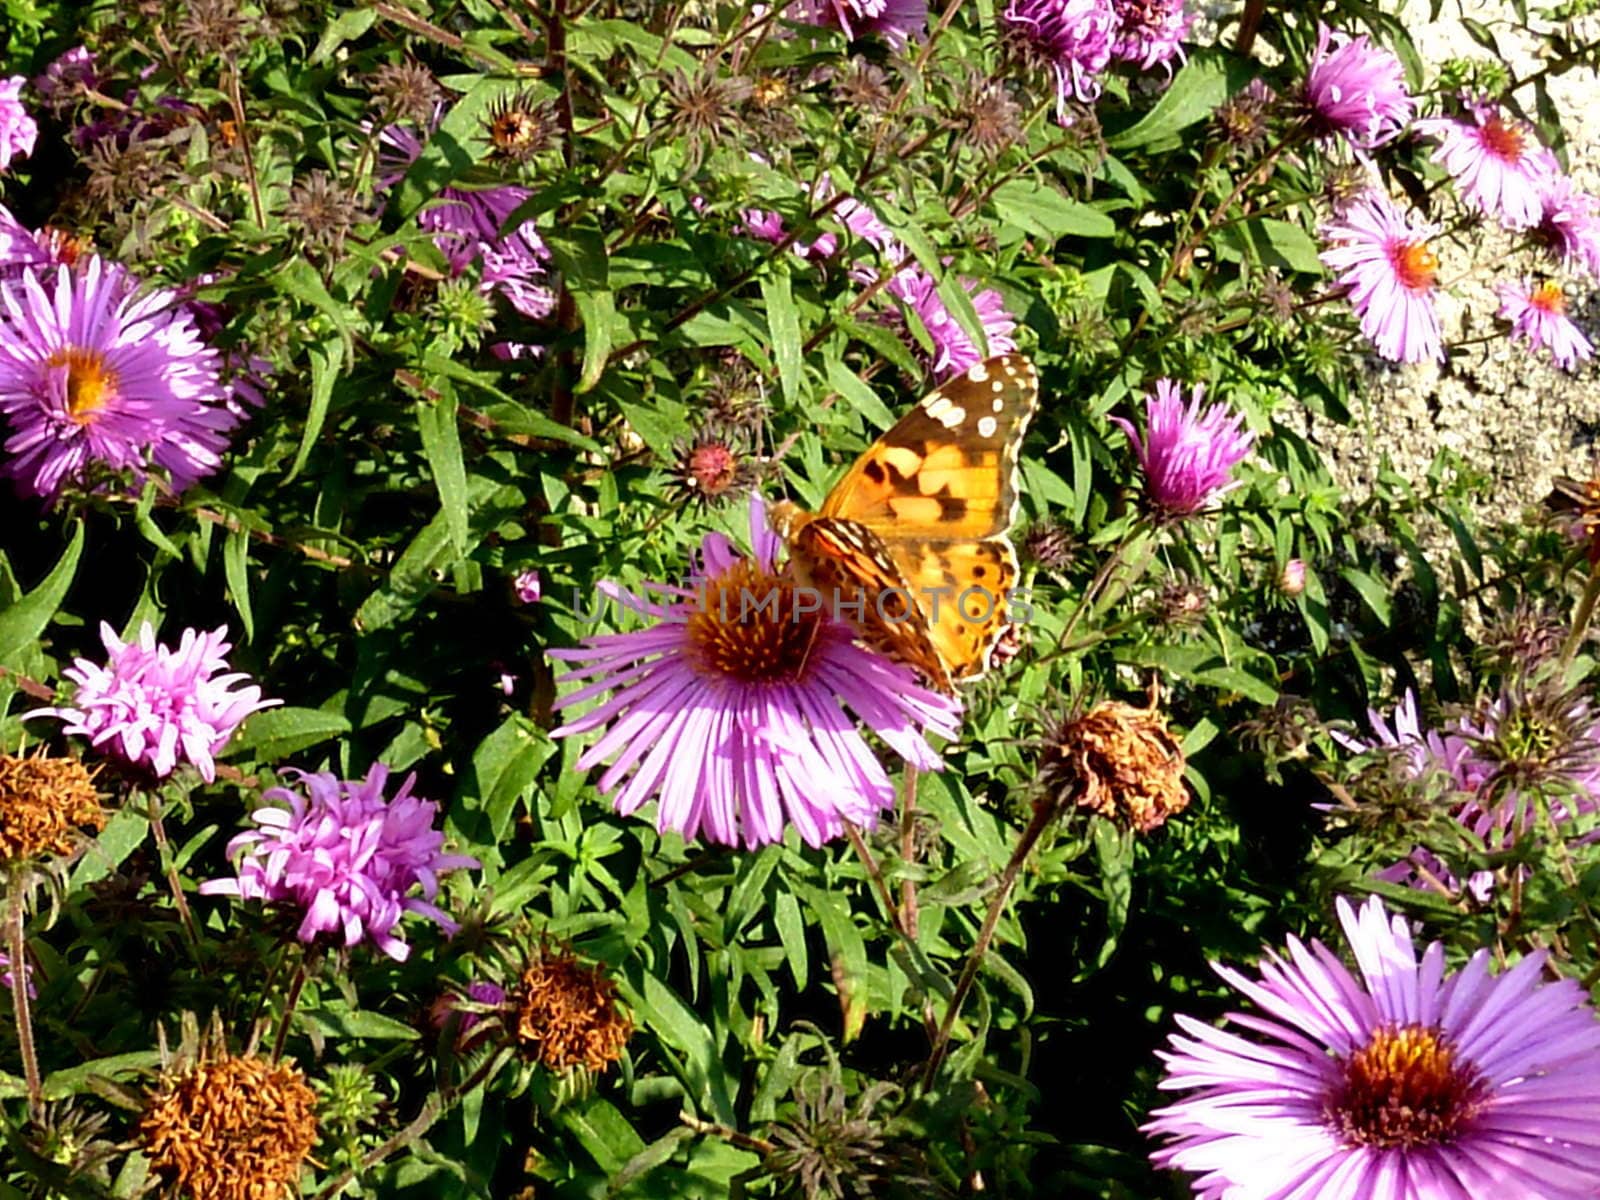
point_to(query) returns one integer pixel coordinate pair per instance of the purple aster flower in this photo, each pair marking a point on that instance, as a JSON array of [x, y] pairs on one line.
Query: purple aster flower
[[896, 20], [1073, 38], [737, 711], [1150, 33], [1498, 164], [1355, 90], [953, 350], [1401, 1080], [20, 247], [346, 857], [863, 223], [1385, 262], [1188, 453], [153, 707], [484, 994], [1569, 225], [68, 75], [6, 979], [767, 226], [1538, 315], [526, 586], [17, 129], [92, 373]]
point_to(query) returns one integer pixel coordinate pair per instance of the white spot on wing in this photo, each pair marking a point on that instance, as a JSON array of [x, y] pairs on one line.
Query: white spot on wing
[[987, 426], [952, 417], [979, 373]]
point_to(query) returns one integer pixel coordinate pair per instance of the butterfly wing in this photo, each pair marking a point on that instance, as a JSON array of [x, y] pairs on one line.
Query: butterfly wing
[[962, 588]]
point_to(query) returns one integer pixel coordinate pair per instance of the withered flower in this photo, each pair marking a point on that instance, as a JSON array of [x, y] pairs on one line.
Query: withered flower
[[1345, 182], [1118, 761], [212, 27], [988, 116], [1180, 603], [864, 87], [230, 1127], [518, 128], [323, 210], [566, 1012], [736, 398], [704, 108], [713, 468], [1050, 543], [1522, 639], [1242, 119], [407, 91], [44, 801], [1578, 500]]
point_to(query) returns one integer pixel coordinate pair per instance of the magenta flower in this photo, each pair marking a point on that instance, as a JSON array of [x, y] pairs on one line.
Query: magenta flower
[[489, 995], [1569, 225], [64, 78], [767, 226], [953, 350], [153, 707], [1538, 316], [20, 247], [526, 586], [896, 20], [1188, 453], [91, 373], [1385, 262], [17, 129], [1150, 33], [1072, 37], [1401, 1080], [734, 710], [346, 857], [1498, 164], [1356, 91], [7, 981]]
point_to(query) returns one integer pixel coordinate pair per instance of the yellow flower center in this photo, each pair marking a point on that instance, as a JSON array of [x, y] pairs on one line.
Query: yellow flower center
[[1405, 1087], [1504, 141], [1548, 297], [90, 383], [753, 627], [1416, 265]]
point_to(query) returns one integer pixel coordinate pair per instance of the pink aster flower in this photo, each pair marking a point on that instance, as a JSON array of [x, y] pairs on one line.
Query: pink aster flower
[[6, 979], [896, 20], [1498, 164], [153, 707], [526, 585], [1385, 262], [1569, 225], [1399, 1080], [1188, 453], [953, 350], [1150, 33], [767, 226], [1538, 315], [1071, 37], [91, 373], [346, 857], [17, 129], [1356, 91], [68, 75], [738, 709]]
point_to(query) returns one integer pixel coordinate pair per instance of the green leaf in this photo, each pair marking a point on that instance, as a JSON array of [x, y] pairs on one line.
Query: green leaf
[[22, 623], [674, 1022], [441, 445], [279, 732], [860, 397], [1370, 590], [597, 312], [1284, 244], [235, 569], [1197, 89], [454, 147], [325, 364], [58, 1085], [360, 1024], [783, 325], [792, 933], [346, 27], [1040, 209], [849, 953]]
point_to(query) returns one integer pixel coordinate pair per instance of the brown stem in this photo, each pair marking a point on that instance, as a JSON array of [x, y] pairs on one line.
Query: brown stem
[[236, 102], [1580, 619], [908, 853], [874, 872], [1249, 25], [169, 867], [17, 951], [732, 1136], [296, 986]]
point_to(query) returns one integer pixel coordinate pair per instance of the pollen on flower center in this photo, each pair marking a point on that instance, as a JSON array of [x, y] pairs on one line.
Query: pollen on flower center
[[1405, 1087], [1504, 141], [90, 382], [1549, 297], [1415, 265], [750, 626]]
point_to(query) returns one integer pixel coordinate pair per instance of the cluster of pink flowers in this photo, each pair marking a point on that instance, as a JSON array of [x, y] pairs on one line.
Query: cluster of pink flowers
[[346, 857], [1079, 39]]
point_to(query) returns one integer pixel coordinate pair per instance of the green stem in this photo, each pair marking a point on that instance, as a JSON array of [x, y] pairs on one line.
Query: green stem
[[17, 951], [169, 867], [1580, 619]]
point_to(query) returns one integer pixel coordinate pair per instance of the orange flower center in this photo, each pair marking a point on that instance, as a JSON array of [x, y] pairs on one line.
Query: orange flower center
[[1416, 265], [753, 627], [1548, 297], [1405, 1087], [90, 383], [1504, 141]]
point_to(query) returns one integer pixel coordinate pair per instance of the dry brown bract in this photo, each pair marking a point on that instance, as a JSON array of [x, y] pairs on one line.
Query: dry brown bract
[[567, 1013], [43, 801], [1119, 761], [234, 1128]]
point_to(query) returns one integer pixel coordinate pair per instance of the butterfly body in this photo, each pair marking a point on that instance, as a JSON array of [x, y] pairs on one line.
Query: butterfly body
[[911, 544]]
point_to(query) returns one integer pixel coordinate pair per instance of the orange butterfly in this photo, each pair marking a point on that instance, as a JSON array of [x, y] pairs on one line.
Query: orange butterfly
[[911, 543]]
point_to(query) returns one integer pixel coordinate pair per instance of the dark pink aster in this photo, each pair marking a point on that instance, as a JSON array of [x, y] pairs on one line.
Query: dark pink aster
[[1072, 37], [953, 348], [1538, 316], [1569, 225], [1385, 261], [1400, 1080], [7, 981], [767, 226], [92, 373], [18, 130], [1498, 164], [896, 21], [737, 711], [1188, 453], [1356, 91], [1150, 33], [154, 707], [67, 76], [346, 857]]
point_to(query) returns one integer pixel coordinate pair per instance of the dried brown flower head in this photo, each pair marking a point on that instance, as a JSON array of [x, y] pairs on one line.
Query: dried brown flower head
[[43, 802], [990, 119], [1523, 638], [735, 398], [769, 91], [230, 1128], [566, 1012], [1119, 761], [322, 210], [212, 27], [1277, 297], [704, 108], [1180, 602], [1578, 502], [518, 128], [1050, 543], [1344, 182], [864, 86], [1242, 119], [117, 174], [407, 91], [713, 468]]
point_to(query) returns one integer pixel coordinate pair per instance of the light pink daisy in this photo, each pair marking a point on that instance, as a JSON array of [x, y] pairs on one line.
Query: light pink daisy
[[18, 130], [1356, 91], [1498, 163], [1538, 315], [1150, 33], [896, 21], [1401, 1080], [1569, 225], [953, 349], [1385, 262]]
